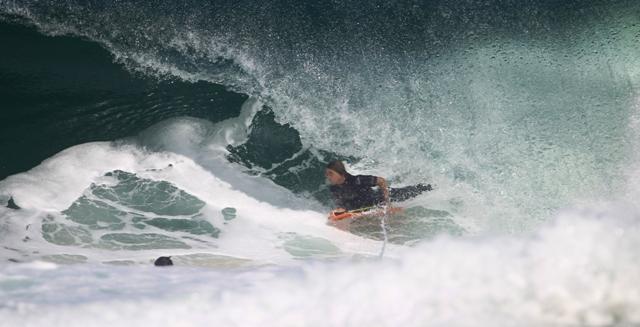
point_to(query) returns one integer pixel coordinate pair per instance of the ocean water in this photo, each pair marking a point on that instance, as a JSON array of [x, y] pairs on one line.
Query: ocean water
[[200, 130]]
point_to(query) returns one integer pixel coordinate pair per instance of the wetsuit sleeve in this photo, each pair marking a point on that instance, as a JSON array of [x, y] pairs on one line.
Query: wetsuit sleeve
[[366, 180], [337, 199]]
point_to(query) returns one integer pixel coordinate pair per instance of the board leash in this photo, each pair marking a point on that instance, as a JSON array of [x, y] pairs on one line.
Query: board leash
[[384, 232]]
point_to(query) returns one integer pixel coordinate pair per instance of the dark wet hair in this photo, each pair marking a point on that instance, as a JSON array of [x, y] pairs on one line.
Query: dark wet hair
[[338, 167]]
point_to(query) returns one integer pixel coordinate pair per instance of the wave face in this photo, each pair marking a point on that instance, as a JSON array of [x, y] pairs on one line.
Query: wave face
[[517, 109], [200, 129]]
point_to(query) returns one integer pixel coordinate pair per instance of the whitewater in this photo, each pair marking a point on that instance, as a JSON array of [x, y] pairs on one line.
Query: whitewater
[[200, 130]]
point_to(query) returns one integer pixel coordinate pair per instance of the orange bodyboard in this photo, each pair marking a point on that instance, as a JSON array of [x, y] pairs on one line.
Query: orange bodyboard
[[373, 212]]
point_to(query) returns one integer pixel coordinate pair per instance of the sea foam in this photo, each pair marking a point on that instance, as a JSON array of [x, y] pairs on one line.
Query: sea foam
[[578, 270]]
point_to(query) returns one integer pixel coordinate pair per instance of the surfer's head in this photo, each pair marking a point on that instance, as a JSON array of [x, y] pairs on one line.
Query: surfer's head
[[335, 172]]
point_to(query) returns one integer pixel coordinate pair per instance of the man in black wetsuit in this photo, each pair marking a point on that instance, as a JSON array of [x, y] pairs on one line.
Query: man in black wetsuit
[[355, 192]]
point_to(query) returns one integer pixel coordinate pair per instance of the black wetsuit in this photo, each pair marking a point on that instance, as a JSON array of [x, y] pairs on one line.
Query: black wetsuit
[[361, 191]]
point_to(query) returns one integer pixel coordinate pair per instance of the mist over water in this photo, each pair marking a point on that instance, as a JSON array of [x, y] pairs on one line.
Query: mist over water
[[523, 115]]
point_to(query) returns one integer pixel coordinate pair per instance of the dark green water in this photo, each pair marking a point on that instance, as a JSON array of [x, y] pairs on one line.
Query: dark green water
[[61, 91]]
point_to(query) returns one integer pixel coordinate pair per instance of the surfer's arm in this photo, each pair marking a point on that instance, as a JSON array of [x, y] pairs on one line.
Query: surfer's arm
[[337, 200], [382, 184], [339, 205]]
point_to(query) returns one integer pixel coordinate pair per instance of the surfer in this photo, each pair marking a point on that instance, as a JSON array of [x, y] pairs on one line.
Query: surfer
[[354, 192]]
